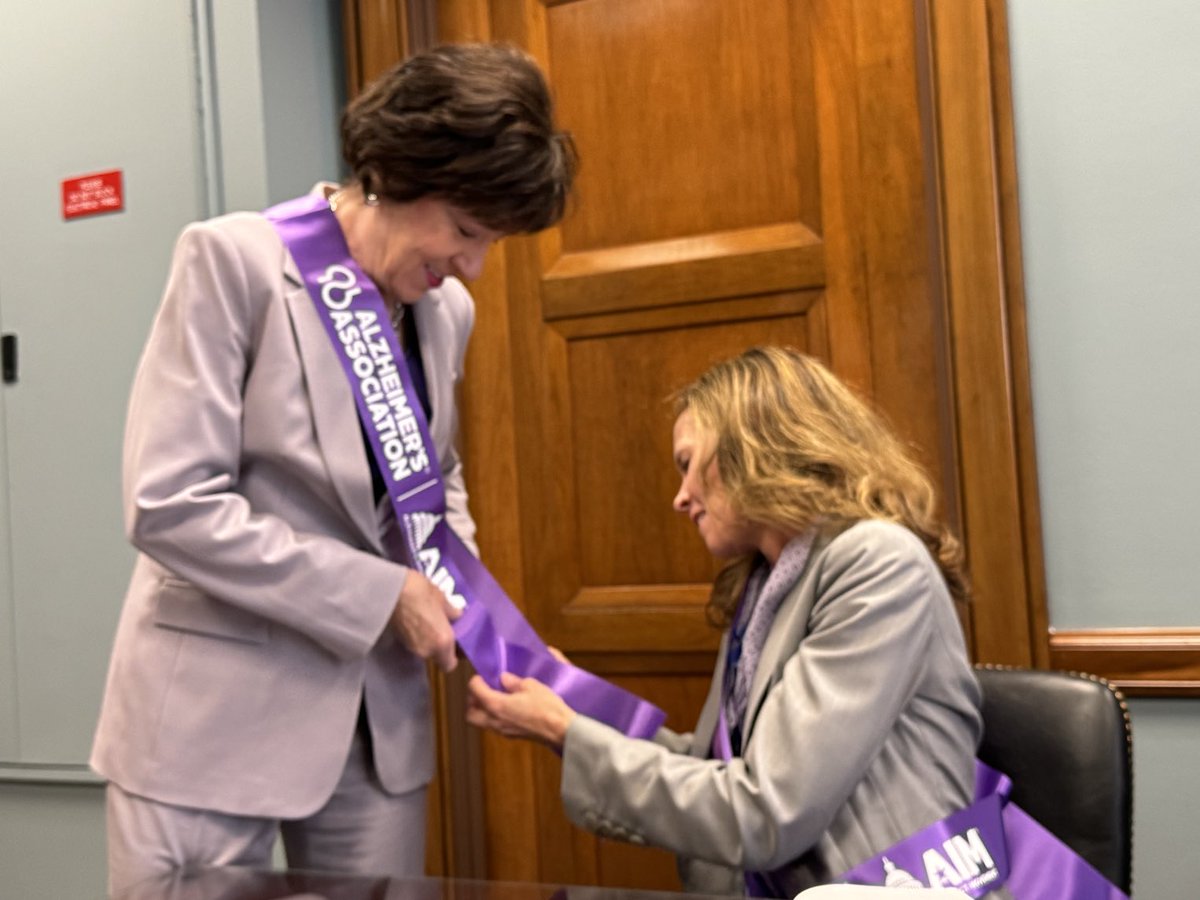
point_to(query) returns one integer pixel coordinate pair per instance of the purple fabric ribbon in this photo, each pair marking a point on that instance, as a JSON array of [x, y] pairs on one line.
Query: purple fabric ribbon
[[990, 844], [492, 632]]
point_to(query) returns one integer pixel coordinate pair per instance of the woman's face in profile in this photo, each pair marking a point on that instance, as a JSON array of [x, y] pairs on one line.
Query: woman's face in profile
[[702, 496], [415, 245]]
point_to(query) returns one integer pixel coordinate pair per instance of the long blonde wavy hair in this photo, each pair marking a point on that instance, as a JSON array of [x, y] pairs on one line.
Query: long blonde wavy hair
[[794, 447]]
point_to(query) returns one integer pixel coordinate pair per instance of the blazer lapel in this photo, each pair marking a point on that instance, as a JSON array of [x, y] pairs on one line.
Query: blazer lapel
[[790, 624], [335, 416]]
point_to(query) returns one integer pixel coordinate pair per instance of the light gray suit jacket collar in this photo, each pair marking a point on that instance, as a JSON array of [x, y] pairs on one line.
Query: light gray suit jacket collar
[[793, 613]]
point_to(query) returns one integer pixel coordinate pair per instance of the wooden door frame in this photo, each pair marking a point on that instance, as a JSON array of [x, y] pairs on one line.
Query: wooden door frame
[[967, 104], [377, 34]]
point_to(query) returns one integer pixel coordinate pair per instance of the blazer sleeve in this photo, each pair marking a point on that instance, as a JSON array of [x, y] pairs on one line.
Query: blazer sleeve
[[841, 692], [182, 456]]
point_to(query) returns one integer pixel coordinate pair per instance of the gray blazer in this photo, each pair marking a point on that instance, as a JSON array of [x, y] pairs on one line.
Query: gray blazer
[[257, 615], [862, 725]]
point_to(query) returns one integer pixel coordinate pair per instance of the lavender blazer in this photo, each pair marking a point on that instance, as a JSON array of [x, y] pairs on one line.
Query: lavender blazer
[[257, 614]]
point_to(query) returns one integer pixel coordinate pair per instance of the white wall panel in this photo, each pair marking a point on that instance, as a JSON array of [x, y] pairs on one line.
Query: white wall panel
[[1107, 104], [1107, 121]]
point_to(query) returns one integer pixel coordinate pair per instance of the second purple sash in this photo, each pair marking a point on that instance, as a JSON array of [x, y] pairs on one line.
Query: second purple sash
[[991, 843]]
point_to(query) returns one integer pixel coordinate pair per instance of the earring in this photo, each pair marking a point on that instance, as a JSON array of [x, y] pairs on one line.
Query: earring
[[371, 199]]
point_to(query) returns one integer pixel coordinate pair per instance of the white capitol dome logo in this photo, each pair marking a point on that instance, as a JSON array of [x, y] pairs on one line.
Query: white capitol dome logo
[[898, 878]]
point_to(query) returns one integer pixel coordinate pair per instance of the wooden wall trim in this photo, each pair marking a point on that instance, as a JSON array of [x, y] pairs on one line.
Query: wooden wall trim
[[1018, 339], [1142, 662], [985, 319], [456, 795]]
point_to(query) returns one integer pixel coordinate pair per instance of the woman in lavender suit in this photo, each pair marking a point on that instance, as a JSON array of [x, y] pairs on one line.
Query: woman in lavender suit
[[268, 672]]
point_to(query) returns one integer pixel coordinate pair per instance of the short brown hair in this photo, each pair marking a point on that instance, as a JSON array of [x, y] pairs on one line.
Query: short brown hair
[[470, 123]]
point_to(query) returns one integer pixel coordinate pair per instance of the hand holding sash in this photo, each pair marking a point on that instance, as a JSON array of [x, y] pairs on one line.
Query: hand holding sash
[[525, 708], [422, 620]]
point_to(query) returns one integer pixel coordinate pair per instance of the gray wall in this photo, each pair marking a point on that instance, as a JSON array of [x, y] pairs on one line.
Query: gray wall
[[205, 106], [1107, 117]]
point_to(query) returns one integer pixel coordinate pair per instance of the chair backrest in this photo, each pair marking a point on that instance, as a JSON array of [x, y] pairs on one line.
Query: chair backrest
[[1065, 741]]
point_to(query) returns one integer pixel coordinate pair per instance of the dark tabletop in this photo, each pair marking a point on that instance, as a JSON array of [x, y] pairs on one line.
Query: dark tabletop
[[252, 884]]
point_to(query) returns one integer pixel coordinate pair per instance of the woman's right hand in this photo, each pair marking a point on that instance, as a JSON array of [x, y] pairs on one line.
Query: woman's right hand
[[422, 620], [523, 708]]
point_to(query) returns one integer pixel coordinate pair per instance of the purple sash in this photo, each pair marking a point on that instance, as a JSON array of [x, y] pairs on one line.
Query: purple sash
[[491, 631], [990, 844]]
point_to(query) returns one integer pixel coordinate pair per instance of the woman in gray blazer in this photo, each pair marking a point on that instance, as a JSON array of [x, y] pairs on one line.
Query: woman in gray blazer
[[268, 671], [843, 713]]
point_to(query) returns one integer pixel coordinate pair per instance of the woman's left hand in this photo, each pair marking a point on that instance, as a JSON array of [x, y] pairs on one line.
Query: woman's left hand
[[526, 708]]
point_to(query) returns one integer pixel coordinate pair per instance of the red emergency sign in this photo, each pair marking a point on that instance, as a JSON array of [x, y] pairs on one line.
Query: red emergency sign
[[88, 195]]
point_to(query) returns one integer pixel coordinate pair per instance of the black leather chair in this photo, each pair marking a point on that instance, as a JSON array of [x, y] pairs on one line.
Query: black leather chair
[[1065, 741]]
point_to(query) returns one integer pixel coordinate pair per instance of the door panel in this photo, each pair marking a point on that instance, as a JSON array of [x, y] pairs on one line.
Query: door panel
[[618, 372], [673, 100], [593, 582]]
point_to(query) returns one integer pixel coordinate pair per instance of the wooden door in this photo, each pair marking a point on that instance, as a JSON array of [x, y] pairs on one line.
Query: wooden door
[[752, 172], [808, 172]]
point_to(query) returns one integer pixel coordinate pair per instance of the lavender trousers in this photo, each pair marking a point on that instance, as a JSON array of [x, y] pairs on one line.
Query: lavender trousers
[[360, 830]]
